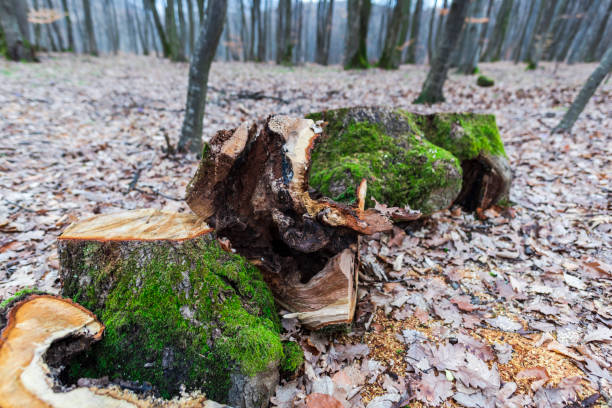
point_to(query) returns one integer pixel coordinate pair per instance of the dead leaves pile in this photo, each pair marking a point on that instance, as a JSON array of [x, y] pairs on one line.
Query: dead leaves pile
[[505, 308]]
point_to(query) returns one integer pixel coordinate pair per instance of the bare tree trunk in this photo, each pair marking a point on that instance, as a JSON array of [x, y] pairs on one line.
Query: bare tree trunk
[[576, 17], [36, 29], [68, 26], [261, 34], [325, 10], [547, 16], [414, 33], [468, 60], [56, 29], [92, 46], [243, 33], [182, 32], [587, 35], [208, 41], [299, 44], [143, 32], [389, 58], [604, 68], [254, 28], [14, 40], [494, 47], [356, 53], [191, 18], [433, 87], [430, 35], [284, 50], [161, 33]]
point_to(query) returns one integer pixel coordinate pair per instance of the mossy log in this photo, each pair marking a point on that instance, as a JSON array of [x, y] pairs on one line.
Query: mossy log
[[178, 309], [428, 162], [39, 334], [253, 189]]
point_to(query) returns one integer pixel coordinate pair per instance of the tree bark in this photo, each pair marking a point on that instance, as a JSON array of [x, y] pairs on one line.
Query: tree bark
[[468, 60], [163, 38], [591, 54], [589, 88], [18, 47], [191, 133], [182, 31], [390, 58], [356, 53], [411, 56], [325, 13], [284, 47], [495, 44], [92, 45], [68, 20], [432, 91], [430, 35]]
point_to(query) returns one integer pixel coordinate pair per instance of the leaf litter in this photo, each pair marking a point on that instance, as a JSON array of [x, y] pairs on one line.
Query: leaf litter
[[507, 307]]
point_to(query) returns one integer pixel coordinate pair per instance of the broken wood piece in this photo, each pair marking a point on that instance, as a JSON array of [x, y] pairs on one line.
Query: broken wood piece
[[43, 332], [253, 189]]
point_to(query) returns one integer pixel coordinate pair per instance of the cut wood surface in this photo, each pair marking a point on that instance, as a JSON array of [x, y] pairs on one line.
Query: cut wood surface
[[141, 225], [253, 189], [45, 327]]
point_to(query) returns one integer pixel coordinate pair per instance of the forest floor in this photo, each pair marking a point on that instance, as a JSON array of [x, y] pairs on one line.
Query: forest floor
[[511, 308]]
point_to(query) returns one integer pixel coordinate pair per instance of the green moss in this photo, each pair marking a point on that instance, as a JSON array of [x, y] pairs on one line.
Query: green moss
[[464, 135], [399, 169], [293, 357], [170, 322], [531, 66], [476, 70], [485, 81], [20, 295]]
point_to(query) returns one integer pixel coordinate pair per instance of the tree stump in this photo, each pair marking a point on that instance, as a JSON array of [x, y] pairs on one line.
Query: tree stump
[[178, 309], [253, 189], [42, 332], [428, 162]]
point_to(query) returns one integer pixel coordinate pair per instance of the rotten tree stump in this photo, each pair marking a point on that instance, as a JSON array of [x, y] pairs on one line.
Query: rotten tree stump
[[252, 187]]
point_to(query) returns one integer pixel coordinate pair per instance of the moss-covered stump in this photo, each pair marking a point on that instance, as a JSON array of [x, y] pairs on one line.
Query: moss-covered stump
[[427, 162], [385, 147], [178, 309]]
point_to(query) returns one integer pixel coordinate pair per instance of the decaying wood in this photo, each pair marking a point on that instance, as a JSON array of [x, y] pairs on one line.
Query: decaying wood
[[253, 189], [45, 330]]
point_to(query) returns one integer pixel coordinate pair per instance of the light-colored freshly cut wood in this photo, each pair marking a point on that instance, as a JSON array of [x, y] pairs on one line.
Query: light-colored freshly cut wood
[[140, 225], [33, 325]]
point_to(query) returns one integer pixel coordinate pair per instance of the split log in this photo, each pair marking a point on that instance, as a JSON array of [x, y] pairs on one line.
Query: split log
[[253, 189], [428, 162], [42, 332], [178, 309]]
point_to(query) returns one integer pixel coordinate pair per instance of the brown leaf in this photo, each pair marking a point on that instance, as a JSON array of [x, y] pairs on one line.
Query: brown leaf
[[317, 400], [432, 389]]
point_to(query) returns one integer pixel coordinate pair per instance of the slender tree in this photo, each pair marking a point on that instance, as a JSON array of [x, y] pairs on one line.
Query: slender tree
[[356, 53], [56, 29], [68, 21], [389, 58], [208, 41], [284, 47], [433, 87], [415, 28], [325, 13], [92, 45], [430, 34], [468, 59], [496, 42], [14, 33], [587, 91], [161, 32]]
